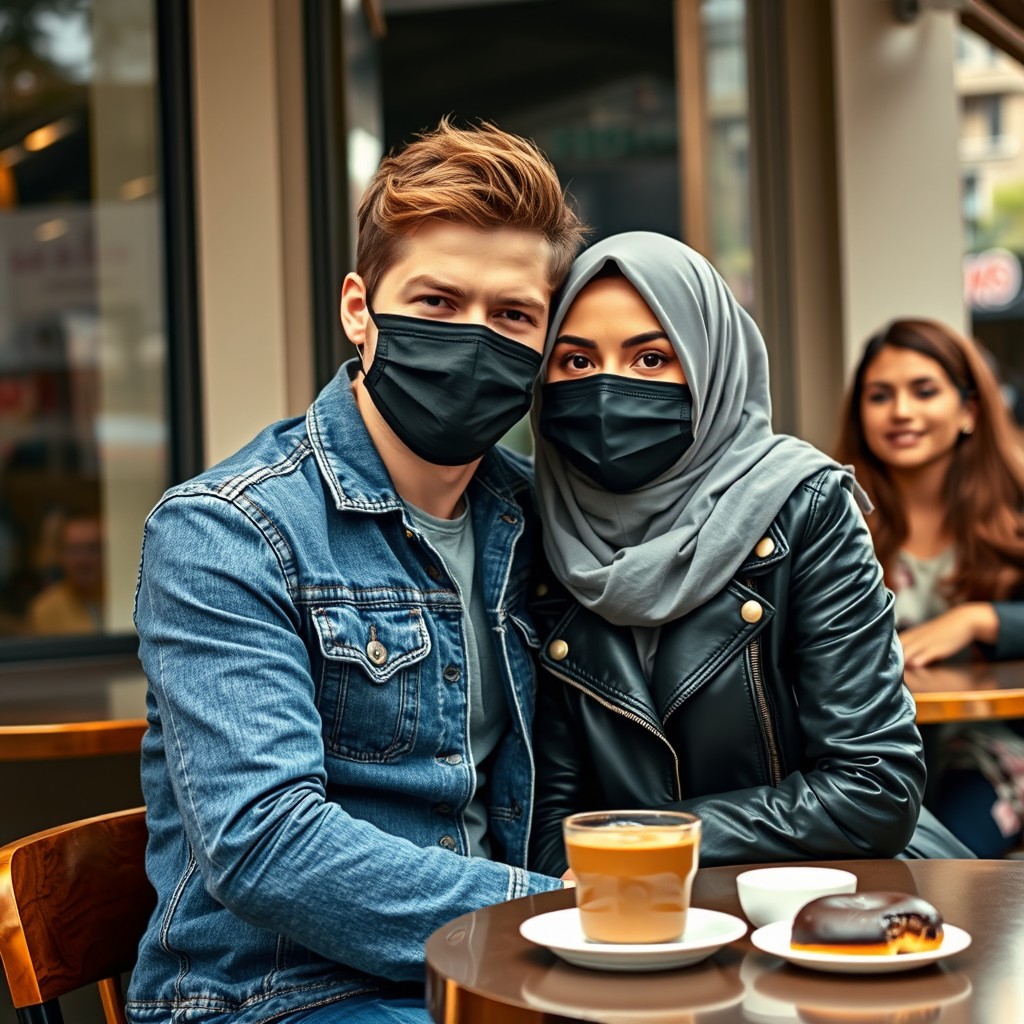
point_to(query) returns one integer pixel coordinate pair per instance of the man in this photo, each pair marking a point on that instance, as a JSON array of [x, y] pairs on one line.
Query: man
[[73, 604], [331, 622]]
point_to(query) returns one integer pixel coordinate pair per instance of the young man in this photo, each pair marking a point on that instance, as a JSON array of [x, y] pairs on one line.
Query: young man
[[331, 622]]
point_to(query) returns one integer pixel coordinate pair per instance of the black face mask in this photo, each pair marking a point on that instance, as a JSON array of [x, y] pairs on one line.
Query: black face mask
[[619, 431], [449, 391]]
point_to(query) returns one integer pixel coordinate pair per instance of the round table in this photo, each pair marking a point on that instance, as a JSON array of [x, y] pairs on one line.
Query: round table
[[975, 691], [481, 971]]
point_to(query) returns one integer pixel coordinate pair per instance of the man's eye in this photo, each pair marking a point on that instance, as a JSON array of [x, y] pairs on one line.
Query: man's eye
[[517, 316]]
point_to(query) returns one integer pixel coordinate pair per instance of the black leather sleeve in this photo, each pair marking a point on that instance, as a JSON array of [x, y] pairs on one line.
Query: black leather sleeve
[[858, 790], [1009, 644], [559, 754]]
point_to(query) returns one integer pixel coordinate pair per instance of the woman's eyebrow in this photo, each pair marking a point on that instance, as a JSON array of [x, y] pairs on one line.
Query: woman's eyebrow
[[643, 339], [571, 339]]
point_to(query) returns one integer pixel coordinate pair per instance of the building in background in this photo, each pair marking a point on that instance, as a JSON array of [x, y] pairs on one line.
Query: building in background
[[178, 183]]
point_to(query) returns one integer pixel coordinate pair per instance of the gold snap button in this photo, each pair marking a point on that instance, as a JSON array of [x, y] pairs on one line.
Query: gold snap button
[[433, 572], [751, 611], [408, 534], [376, 652], [542, 589], [511, 520], [448, 842], [558, 649], [765, 546]]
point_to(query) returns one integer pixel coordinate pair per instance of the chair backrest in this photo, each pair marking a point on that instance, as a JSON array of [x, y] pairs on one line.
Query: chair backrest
[[74, 902]]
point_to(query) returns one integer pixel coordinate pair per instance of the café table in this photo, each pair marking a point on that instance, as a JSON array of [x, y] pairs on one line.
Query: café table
[[71, 711], [480, 970], [973, 691]]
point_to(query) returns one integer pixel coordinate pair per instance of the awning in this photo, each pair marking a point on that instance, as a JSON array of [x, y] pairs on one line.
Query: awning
[[1001, 22]]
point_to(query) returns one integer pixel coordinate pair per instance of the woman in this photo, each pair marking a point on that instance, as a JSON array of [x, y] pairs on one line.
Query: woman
[[926, 428], [718, 638]]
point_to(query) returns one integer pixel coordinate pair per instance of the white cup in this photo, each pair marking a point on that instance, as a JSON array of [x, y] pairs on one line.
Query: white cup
[[776, 894]]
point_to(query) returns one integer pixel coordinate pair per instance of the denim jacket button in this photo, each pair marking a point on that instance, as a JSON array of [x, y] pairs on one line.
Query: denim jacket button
[[442, 809], [751, 611], [511, 520], [376, 652], [433, 572], [542, 589], [454, 759], [448, 842], [559, 650], [452, 674]]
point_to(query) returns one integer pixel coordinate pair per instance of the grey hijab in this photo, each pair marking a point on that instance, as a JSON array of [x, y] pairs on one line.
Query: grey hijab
[[654, 554]]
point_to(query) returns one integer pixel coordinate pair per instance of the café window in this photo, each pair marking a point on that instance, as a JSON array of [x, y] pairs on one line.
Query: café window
[[84, 438]]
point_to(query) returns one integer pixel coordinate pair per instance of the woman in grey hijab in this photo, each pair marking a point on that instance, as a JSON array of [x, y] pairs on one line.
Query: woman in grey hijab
[[717, 637]]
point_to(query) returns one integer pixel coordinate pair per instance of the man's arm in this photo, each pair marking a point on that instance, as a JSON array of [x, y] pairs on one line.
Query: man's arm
[[221, 645]]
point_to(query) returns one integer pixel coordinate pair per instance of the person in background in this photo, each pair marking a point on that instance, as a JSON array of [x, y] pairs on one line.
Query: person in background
[[332, 622], [717, 637], [73, 603], [931, 441]]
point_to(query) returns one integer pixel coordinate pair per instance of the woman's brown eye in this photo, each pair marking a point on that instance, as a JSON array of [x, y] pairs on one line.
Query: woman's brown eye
[[580, 362]]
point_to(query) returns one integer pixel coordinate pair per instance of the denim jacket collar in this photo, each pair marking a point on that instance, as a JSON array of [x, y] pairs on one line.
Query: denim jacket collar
[[349, 461]]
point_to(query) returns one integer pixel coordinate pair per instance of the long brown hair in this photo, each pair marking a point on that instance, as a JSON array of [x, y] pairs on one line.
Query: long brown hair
[[984, 487]]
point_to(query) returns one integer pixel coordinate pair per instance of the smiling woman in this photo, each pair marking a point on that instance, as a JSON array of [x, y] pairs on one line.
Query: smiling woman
[[930, 438]]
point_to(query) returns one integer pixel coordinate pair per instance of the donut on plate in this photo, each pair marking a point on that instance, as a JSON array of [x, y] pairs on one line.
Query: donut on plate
[[869, 923]]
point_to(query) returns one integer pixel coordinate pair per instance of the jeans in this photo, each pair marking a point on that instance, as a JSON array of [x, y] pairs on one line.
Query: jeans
[[367, 1009]]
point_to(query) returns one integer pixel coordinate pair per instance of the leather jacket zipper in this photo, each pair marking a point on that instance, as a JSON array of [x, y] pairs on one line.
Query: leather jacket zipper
[[767, 726], [626, 714]]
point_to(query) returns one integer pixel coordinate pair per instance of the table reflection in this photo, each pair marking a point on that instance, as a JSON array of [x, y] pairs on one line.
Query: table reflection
[[775, 993]]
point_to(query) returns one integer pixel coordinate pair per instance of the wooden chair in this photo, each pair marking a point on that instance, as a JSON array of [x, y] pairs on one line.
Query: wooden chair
[[74, 902]]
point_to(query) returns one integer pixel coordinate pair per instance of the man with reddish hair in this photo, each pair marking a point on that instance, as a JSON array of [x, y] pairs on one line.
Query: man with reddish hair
[[332, 623]]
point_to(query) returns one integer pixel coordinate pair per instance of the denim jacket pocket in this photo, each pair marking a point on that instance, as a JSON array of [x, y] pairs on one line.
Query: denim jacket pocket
[[369, 684]]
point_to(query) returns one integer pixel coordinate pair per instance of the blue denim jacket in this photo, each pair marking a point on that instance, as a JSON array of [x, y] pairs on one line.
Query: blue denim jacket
[[307, 761]]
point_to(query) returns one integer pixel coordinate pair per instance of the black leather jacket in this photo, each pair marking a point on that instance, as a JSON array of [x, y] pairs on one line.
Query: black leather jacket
[[776, 711]]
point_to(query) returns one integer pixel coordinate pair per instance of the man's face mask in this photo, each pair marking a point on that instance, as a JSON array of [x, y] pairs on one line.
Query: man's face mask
[[449, 391], [621, 432]]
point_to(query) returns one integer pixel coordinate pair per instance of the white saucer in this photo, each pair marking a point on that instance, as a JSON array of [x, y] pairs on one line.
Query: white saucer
[[706, 932], [774, 938]]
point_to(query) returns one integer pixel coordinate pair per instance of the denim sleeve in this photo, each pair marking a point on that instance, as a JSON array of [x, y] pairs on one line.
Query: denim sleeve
[[1009, 644], [229, 672]]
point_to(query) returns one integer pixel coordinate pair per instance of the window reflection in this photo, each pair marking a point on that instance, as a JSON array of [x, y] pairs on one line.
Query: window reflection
[[83, 445]]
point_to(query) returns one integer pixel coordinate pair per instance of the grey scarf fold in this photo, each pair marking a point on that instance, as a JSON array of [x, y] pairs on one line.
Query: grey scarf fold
[[654, 554]]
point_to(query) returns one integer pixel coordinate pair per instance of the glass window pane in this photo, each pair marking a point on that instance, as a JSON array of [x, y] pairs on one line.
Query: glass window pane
[[83, 423]]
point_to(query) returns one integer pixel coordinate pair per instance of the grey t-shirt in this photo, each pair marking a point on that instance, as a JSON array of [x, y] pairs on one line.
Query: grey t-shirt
[[488, 711], [918, 587]]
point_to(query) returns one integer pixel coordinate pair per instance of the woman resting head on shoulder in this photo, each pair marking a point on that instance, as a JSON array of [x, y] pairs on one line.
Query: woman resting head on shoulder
[[716, 635], [929, 435]]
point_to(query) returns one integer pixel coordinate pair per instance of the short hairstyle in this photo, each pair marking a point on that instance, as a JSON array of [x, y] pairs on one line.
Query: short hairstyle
[[482, 177]]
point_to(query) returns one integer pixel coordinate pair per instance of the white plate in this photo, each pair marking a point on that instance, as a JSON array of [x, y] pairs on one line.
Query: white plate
[[774, 938], [706, 932]]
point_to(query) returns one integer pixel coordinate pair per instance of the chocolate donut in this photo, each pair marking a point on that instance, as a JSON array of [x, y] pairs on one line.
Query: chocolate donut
[[872, 923]]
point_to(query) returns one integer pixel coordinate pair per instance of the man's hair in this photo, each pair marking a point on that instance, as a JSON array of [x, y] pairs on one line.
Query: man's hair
[[482, 177]]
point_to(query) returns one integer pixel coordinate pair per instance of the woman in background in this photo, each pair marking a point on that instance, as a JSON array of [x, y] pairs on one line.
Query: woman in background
[[716, 634], [927, 431]]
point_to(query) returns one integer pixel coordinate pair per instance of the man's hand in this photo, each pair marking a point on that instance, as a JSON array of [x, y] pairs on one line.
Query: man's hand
[[949, 633]]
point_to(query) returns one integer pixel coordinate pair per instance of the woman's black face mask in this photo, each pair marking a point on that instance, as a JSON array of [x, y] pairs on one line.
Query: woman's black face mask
[[449, 391], [620, 431]]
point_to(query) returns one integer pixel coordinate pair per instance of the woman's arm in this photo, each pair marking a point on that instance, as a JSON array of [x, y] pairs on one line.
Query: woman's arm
[[857, 789], [560, 765], [949, 633]]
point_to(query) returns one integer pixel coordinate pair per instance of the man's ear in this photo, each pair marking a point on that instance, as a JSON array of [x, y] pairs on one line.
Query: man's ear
[[354, 313]]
